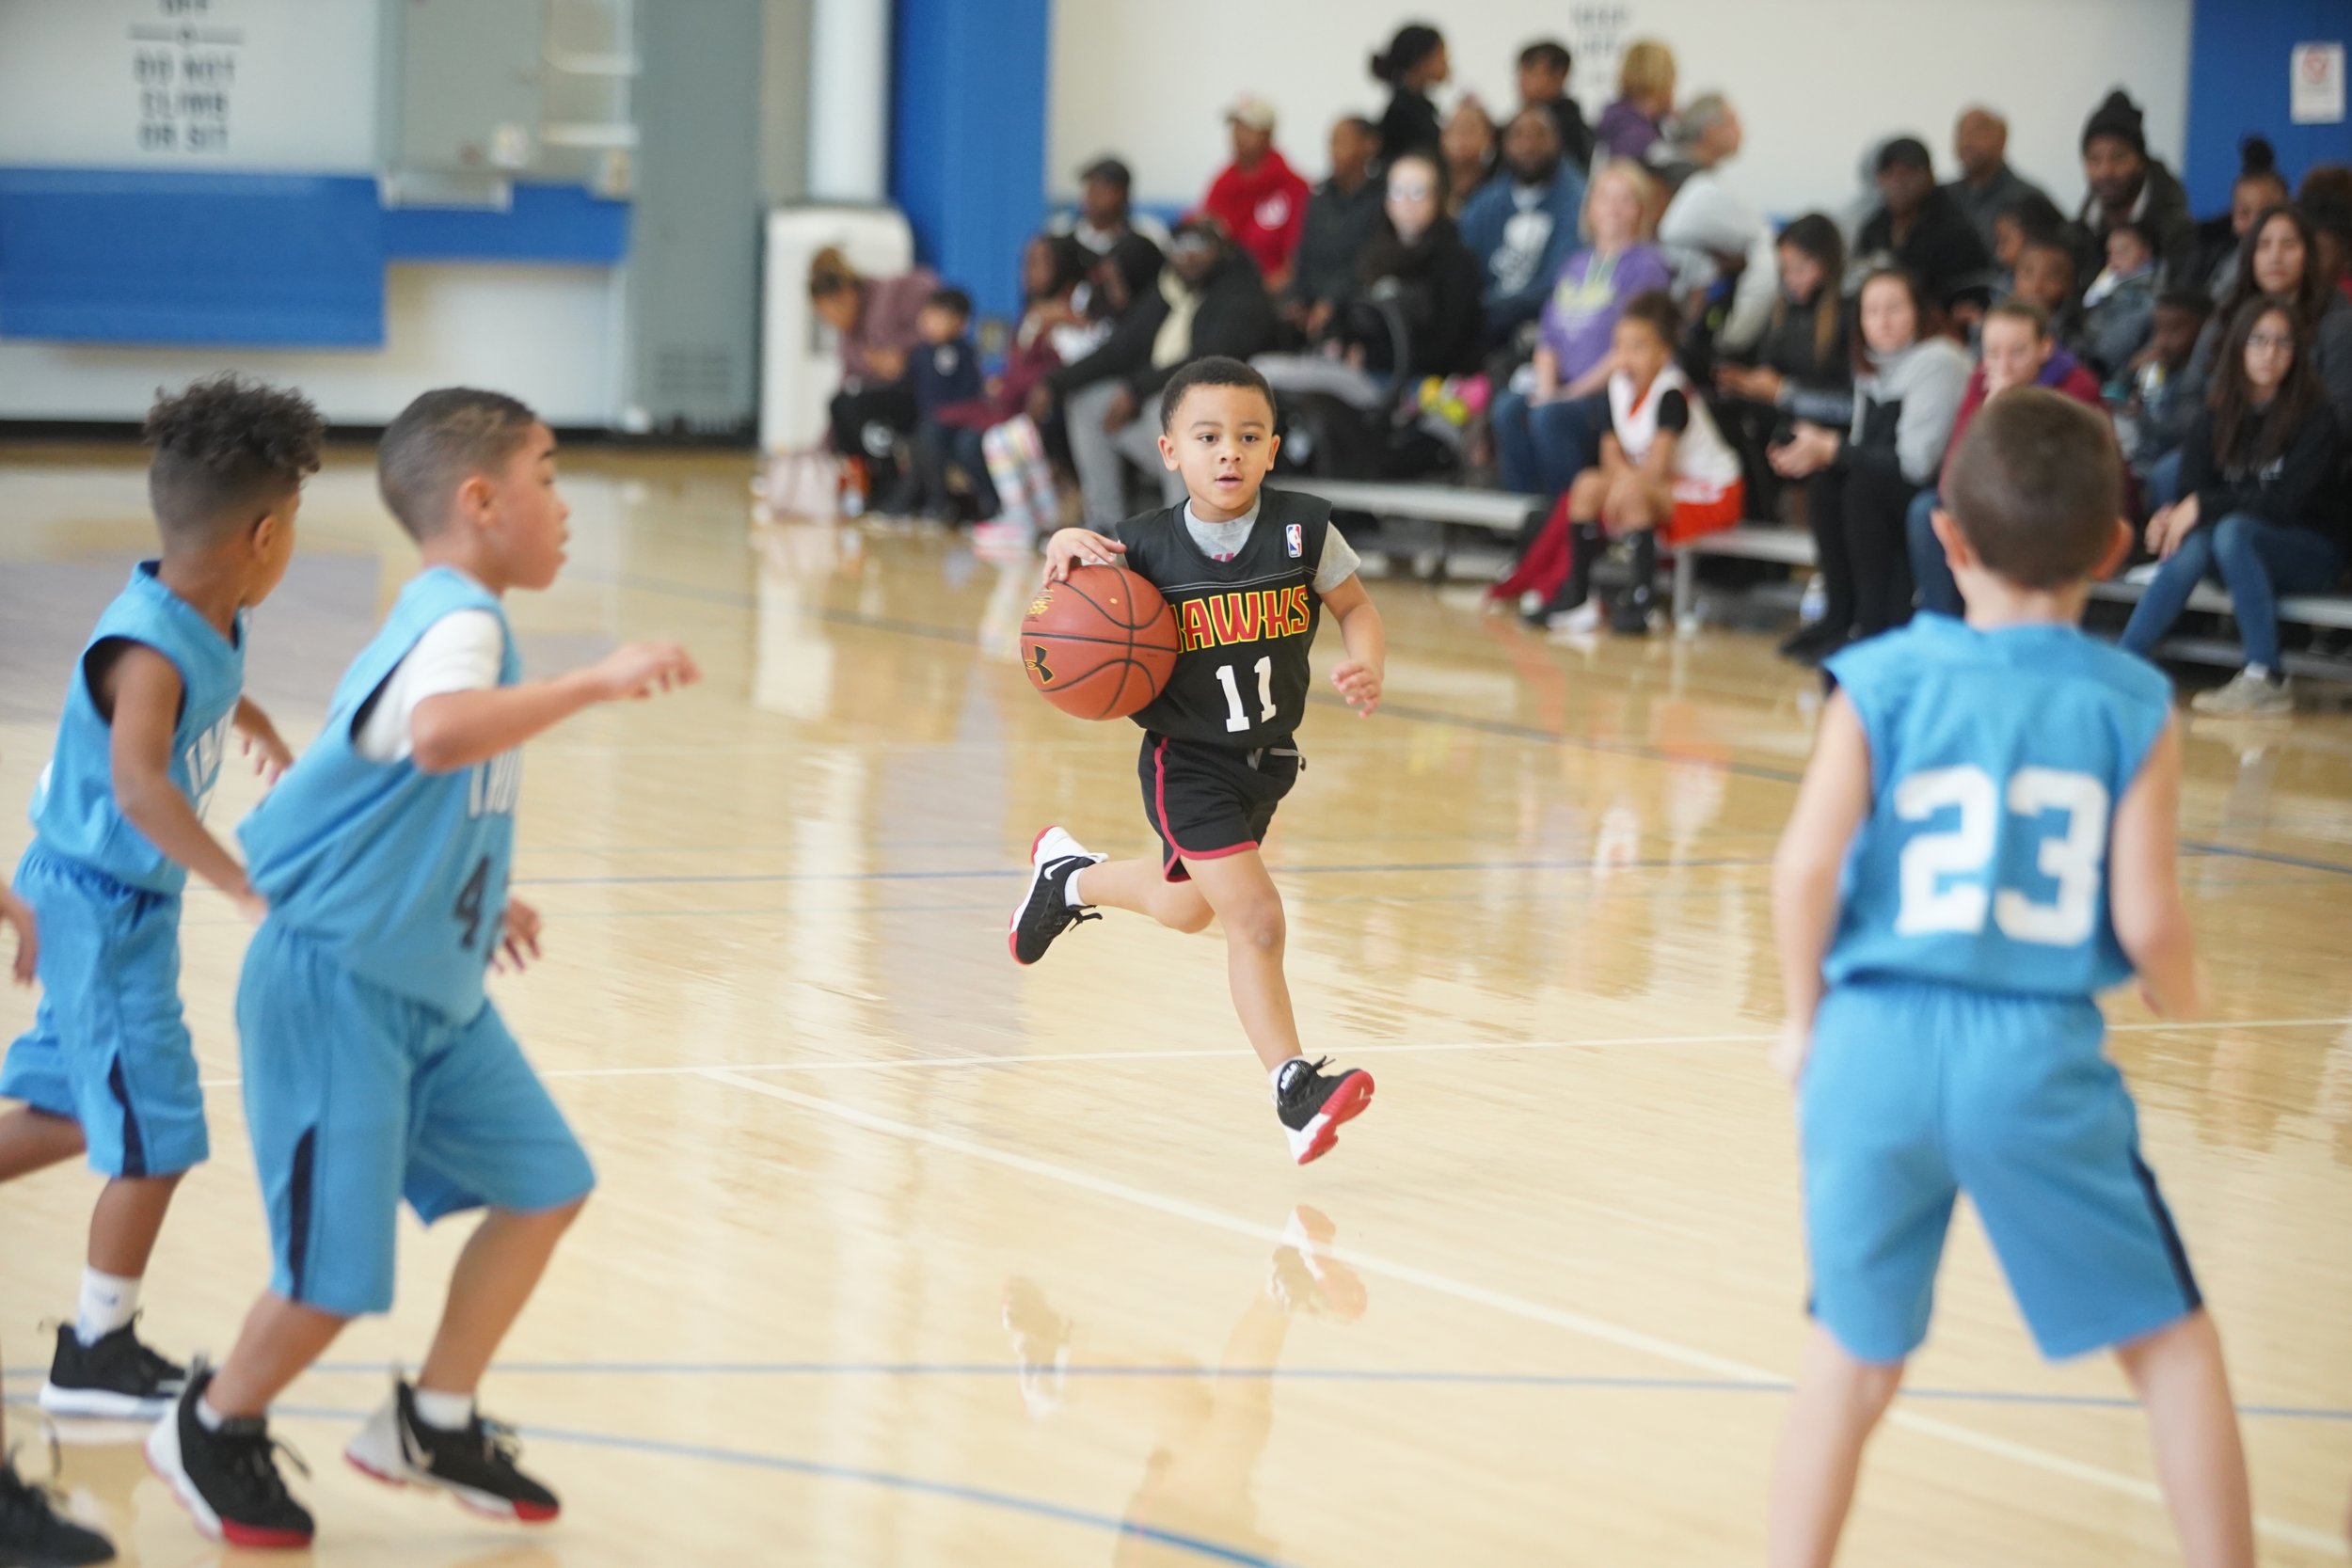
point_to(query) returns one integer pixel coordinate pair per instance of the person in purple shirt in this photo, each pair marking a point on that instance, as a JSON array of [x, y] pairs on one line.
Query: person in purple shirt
[[1645, 95], [1547, 433]]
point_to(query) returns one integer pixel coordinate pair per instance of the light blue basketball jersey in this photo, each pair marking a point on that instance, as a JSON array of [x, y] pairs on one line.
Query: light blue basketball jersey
[[73, 805], [1998, 760], [399, 872]]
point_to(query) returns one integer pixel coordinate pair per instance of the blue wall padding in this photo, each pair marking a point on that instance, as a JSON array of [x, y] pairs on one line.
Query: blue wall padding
[[968, 147], [2237, 83], [257, 260]]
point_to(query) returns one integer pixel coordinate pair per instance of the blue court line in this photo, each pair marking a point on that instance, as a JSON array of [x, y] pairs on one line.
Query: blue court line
[[1372, 1375], [1036, 1508], [999, 872], [1504, 727]]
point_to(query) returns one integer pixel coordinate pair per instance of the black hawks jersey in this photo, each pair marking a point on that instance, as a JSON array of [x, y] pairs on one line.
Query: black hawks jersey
[[1243, 677]]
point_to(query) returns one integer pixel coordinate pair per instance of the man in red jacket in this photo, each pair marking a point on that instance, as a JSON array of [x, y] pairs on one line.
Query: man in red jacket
[[1259, 197]]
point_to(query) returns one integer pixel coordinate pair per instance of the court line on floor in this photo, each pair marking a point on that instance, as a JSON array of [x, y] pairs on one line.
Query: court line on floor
[[1038, 1508], [1582, 1324], [1506, 728], [1375, 1047], [1000, 873], [1595, 1381]]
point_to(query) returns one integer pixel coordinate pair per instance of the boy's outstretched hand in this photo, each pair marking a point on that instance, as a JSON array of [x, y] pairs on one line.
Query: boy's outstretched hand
[[271, 755], [642, 670], [1079, 546], [18, 915], [521, 938], [1359, 681]]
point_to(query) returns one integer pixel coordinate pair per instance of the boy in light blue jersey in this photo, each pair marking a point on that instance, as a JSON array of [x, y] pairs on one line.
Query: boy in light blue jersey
[[1984, 841], [119, 823], [376, 1069]]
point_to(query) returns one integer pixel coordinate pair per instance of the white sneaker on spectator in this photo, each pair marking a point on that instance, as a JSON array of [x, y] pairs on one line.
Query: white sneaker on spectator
[[1582, 621], [2250, 694]]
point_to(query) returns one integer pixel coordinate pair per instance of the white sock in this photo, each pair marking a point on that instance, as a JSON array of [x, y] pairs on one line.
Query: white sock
[[206, 1416], [1276, 1074], [108, 1301], [1070, 890], [444, 1412]]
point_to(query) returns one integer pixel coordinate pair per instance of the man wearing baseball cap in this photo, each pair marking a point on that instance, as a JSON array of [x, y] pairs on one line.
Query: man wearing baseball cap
[[1259, 197]]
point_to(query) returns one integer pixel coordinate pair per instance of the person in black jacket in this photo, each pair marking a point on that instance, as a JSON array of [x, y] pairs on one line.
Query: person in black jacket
[[1801, 368], [2256, 506], [1921, 230], [1339, 215], [1414, 62], [1214, 301], [1544, 68], [2124, 182], [1419, 279]]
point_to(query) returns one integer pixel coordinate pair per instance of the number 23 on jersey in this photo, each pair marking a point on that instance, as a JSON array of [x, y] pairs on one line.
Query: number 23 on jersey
[[1947, 880]]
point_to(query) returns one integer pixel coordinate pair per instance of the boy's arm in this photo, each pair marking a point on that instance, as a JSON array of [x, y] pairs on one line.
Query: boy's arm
[[456, 730], [271, 755], [2143, 884], [1360, 676], [18, 915], [143, 691], [1831, 805]]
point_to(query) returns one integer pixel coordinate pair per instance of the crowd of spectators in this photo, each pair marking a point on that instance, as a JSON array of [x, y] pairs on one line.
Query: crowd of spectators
[[1447, 298]]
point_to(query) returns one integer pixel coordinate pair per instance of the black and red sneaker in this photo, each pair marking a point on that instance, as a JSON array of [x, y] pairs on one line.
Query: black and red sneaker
[[474, 1464], [1045, 912], [1313, 1105], [226, 1477]]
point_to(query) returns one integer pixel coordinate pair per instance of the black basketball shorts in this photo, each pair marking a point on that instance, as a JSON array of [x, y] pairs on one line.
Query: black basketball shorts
[[1210, 801]]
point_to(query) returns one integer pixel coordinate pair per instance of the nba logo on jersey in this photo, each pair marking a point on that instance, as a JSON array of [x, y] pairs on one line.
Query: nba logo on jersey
[[1295, 537]]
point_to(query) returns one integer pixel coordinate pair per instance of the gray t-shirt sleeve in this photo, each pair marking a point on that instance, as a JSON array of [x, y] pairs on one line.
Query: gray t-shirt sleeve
[[1340, 561]]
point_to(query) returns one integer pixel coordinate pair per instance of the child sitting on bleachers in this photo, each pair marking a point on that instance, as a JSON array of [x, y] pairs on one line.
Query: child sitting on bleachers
[[945, 371], [1664, 469], [2120, 307]]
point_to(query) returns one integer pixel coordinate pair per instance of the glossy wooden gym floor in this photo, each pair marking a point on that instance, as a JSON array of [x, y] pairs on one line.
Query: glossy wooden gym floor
[[834, 1121]]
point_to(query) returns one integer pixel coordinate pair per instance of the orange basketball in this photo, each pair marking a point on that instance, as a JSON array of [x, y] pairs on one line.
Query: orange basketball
[[1100, 645]]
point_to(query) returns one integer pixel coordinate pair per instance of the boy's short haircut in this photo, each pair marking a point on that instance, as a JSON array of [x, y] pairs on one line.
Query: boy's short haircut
[[227, 450], [2023, 310], [2055, 243], [2193, 301], [2036, 487], [1905, 153], [1547, 54], [1362, 126], [1214, 370], [952, 300], [1655, 309], [2136, 230], [436, 443]]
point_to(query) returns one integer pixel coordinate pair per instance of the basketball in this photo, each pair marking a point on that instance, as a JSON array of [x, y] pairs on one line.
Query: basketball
[[1100, 645]]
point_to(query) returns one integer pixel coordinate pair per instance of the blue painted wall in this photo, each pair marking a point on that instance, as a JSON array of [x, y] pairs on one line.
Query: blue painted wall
[[255, 260], [968, 147], [2237, 83]]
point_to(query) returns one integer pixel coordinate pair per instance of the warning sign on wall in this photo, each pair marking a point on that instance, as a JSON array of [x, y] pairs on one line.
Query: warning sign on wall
[[2315, 95]]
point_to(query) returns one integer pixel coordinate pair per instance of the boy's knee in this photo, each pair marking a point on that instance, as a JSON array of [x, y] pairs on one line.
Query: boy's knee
[[1189, 917], [1257, 925]]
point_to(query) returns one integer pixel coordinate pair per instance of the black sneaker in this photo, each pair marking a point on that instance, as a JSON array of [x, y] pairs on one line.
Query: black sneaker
[[474, 1463], [1313, 1106], [1045, 912], [1810, 644], [33, 1534], [118, 1378], [1632, 616], [227, 1478]]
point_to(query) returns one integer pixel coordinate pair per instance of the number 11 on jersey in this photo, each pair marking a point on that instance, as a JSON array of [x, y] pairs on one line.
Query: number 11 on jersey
[[1239, 719]]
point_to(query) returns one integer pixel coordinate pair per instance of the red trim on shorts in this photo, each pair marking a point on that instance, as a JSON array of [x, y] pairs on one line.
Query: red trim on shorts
[[1179, 854]]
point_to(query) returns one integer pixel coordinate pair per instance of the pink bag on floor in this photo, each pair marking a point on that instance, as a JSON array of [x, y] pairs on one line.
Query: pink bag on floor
[[804, 484]]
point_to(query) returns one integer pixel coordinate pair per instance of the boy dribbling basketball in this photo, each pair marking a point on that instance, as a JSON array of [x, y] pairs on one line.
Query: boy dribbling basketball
[[1219, 746], [1985, 840], [376, 1069]]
